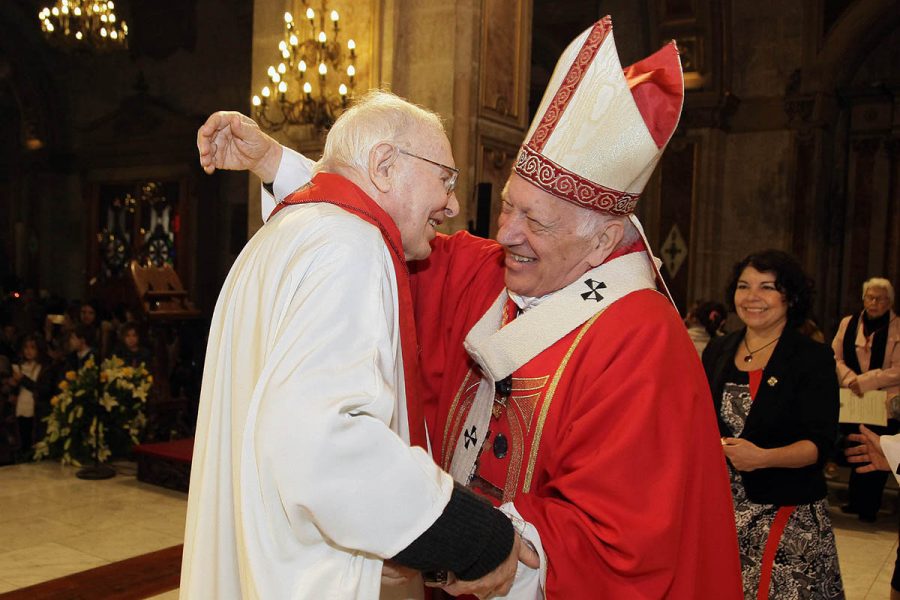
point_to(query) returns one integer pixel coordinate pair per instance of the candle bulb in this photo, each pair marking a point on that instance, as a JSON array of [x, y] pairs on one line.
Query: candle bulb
[[334, 20], [288, 17], [342, 90], [282, 88], [322, 71], [351, 45], [307, 89], [302, 68], [322, 38], [311, 16], [351, 73], [294, 40], [256, 100], [282, 68]]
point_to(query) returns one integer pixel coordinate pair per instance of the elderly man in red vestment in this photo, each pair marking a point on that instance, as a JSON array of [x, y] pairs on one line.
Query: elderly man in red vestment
[[559, 380]]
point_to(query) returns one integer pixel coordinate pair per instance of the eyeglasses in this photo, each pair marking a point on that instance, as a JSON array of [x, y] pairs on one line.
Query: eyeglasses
[[449, 184]]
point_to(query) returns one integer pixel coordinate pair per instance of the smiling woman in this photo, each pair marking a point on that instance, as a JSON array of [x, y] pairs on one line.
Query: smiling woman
[[775, 393]]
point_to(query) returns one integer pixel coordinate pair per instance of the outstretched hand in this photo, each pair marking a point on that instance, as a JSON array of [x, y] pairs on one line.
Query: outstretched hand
[[232, 141], [499, 581], [868, 451]]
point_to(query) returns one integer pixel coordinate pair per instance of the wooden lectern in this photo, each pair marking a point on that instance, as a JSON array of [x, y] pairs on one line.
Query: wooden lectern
[[161, 294], [166, 305]]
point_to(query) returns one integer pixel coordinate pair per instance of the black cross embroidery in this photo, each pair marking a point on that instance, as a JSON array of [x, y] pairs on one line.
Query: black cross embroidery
[[594, 292], [471, 437]]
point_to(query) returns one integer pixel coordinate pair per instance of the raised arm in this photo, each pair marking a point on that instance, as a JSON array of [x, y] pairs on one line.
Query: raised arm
[[232, 141]]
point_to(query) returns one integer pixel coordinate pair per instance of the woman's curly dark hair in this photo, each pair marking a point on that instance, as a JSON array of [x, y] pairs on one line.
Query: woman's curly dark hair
[[790, 280]]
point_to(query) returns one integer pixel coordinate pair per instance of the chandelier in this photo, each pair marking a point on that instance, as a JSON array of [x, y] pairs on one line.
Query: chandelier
[[84, 24], [314, 80]]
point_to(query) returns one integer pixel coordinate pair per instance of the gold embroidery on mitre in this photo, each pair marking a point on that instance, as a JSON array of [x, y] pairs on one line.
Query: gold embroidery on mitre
[[545, 407]]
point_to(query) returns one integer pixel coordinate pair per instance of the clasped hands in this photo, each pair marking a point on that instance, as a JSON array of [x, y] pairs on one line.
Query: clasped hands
[[743, 454], [496, 583]]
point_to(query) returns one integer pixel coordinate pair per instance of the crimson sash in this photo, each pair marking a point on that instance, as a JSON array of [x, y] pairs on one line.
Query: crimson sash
[[334, 189]]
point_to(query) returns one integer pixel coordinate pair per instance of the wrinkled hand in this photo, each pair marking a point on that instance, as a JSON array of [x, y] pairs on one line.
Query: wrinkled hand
[[853, 384], [396, 574], [869, 451], [232, 141], [744, 455], [499, 581]]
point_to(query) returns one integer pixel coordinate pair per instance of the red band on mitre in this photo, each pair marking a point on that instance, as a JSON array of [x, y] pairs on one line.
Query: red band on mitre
[[554, 179], [573, 77]]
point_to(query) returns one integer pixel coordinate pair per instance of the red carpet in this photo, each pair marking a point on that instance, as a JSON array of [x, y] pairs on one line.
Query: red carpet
[[131, 579], [166, 464], [178, 450]]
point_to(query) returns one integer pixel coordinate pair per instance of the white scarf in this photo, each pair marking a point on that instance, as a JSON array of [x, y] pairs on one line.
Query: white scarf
[[500, 352]]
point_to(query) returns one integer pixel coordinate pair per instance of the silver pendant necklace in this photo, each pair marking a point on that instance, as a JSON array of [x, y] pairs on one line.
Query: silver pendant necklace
[[749, 356]]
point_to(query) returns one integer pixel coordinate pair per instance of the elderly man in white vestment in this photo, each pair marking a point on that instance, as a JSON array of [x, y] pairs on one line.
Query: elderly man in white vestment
[[303, 479]]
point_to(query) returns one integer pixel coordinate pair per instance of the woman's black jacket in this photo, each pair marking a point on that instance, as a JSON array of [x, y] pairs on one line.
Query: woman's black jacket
[[797, 400]]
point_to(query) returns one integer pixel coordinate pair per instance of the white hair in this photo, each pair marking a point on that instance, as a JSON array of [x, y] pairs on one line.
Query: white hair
[[879, 282], [591, 222], [377, 117]]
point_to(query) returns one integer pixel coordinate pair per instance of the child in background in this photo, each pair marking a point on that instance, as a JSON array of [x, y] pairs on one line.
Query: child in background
[[30, 388], [130, 349]]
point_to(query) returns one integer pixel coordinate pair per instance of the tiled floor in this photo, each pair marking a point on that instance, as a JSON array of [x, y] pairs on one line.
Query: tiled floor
[[53, 524]]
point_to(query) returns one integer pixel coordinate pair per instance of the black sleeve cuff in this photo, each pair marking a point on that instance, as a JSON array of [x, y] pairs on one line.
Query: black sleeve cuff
[[470, 538]]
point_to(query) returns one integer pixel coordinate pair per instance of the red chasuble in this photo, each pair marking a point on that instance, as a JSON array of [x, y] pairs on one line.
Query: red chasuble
[[339, 191], [613, 450]]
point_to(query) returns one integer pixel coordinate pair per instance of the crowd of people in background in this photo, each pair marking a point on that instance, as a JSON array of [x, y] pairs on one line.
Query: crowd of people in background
[[42, 338]]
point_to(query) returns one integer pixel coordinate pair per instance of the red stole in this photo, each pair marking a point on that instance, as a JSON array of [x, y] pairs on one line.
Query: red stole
[[334, 189]]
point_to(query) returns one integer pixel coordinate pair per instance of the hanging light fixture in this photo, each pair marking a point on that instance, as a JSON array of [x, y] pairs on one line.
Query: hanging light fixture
[[84, 24], [315, 76]]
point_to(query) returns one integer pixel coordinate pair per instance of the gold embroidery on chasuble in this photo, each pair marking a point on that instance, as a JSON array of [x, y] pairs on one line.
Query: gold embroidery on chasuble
[[545, 406], [518, 416], [523, 401]]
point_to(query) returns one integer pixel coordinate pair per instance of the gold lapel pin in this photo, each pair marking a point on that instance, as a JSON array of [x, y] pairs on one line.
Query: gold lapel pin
[[772, 381]]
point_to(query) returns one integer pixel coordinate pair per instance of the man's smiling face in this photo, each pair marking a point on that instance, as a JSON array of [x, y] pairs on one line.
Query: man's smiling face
[[545, 252]]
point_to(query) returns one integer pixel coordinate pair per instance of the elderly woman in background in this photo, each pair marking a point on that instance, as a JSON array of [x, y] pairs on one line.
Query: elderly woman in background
[[776, 396], [867, 352]]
